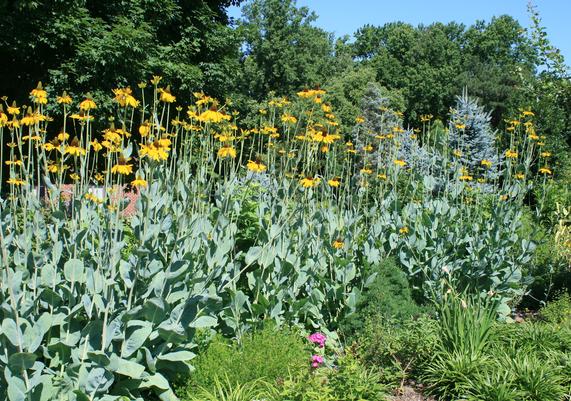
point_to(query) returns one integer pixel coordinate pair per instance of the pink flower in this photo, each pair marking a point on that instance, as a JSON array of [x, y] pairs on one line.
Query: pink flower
[[318, 338], [316, 360]]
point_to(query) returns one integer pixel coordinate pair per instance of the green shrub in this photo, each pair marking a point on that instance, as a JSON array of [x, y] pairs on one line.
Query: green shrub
[[226, 391], [267, 354], [558, 311], [398, 349], [350, 380], [389, 296]]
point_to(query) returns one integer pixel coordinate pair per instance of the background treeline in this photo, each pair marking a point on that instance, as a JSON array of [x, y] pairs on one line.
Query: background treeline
[[275, 48]]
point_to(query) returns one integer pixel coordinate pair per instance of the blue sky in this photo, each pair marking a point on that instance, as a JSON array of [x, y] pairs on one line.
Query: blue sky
[[343, 17]]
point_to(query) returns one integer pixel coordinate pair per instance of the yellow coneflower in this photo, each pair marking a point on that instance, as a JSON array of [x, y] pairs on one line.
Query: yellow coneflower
[[87, 104], [166, 95], [213, 116], [527, 113], [545, 170], [337, 244], [15, 181], [466, 177], [14, 162], [426, 118], [96, 146], [503, 197], [62, 136], [334, 182], [91, 197], [13, 109], [157, 150], [64, 98], [122, 167], [368, 148], [382, 177], [545, 154], [74, 176], [400, 163], [124, 97], [457, 153], [139, 182], [144, 129], [359, 120], [511, 154], [519, 176], [74, 149], [403, 230], [366, 170], [288, 119], [486, 163], [460, 126], [256, 167], [99, 177], [227, 151], [309, 182]]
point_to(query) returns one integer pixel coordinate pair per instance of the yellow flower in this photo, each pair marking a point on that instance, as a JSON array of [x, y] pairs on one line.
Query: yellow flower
[[96, 146], [139, 182], [359, 120], [545, 170], [156, 79], [382, 177], [511, 154], [545, 154], [466, 177], [158, 150], [166, 95], [122, 167], [144, 129], [87, 104], [403, 230], [227, 151], [368, 148], [64, 98], [256, 167], [124, 97], [486, 163], [91, 197], [74, 176], [99, 177], [457, 153], [288, 119], [520, 176], [334, 182], [309, 182], [366, 171], [213, 116], [400, 163], [74, 149], [460, 126], [526, 113], [15, 181], [14, 162], [39, 94], [426, 117], [337, 244], [13, 110]]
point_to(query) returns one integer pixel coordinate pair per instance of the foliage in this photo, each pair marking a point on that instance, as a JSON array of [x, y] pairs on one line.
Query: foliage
[[349, 380], [558, 311], [228, 391], [388, 297], [398, 349], [269, 354], [472, 136]]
